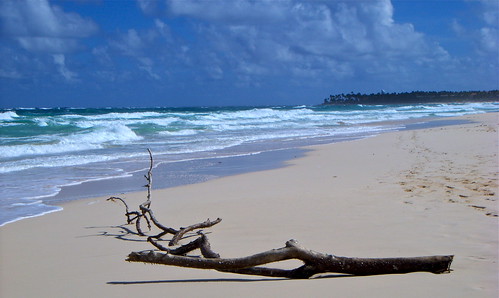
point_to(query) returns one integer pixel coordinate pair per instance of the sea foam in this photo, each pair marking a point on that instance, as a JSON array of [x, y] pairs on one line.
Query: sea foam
[[99, 137], [9, 115]]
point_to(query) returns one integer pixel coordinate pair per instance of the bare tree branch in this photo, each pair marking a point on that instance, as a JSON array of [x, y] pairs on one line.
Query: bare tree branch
[[183, 231], [128, 214]]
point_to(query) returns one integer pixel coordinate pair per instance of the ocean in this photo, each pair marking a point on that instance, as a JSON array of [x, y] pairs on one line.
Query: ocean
[[50, 155]]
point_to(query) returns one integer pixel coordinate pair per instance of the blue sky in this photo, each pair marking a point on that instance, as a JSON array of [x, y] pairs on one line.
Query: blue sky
[[148, 53]]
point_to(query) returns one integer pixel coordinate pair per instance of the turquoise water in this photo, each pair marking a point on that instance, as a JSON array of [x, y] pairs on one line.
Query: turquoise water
[[45, 150]]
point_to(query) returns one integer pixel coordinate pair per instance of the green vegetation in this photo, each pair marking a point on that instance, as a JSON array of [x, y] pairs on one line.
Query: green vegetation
[[412, 97]]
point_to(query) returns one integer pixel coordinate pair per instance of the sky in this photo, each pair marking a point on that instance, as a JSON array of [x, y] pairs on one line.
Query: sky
[[183, 53]]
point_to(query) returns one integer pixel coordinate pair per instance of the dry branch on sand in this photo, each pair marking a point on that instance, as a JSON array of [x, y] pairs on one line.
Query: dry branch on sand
[[313, 262]]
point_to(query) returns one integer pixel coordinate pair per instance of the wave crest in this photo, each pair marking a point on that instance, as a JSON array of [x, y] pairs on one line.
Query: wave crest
[[9, 115], [100, 137]]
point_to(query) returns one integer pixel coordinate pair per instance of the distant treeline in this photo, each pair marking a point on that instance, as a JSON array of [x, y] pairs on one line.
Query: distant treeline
[[412, 97]]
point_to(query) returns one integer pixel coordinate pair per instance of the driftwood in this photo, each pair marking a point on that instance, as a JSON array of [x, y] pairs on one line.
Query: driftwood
[[313, 262]]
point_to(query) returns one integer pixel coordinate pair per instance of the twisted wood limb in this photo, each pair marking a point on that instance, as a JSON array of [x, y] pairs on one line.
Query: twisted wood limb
[[128, 214], [166, 230], [145, 210], [314, 263], [144, 207], [149, 180], [147, 214], [206, 224], [201, 243]]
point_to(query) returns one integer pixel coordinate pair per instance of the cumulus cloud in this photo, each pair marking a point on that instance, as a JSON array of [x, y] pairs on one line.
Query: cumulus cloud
[[314, 39], [41, 27], [305, 45], [484, 39]]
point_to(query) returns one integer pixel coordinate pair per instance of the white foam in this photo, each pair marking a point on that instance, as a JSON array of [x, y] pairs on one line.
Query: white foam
[[55, 209], [59, 161], [184, 132], [27, 204], [117, 116], [9, 115], [110, 134]]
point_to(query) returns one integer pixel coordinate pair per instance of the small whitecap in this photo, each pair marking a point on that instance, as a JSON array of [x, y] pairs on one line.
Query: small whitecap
[[9, 115]]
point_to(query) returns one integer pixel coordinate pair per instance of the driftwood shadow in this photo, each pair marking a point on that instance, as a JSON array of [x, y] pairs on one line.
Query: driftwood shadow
[[124, 233], [120, 232], [220, 280]]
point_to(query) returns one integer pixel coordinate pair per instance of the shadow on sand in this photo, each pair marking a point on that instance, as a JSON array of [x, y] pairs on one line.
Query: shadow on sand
[[208, 280]]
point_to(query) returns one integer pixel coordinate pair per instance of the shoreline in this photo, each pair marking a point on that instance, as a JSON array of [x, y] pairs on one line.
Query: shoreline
[[231, 165], [207, 168], [403, 193]]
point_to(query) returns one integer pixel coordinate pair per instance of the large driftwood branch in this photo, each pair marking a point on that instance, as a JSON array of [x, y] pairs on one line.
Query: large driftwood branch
[[313, 262]]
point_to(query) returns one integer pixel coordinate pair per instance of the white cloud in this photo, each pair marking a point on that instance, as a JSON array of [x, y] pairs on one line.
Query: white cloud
[[489, 40], [155, 8], [38, 26], [489, 34], [316, 39], [130, 43], [147, 64], [490, 12], [484, 39], [457, 27], [236, 11], [60, 62], [47, 44], [102, 55], [148, 6], [162, 29], [135, 43]]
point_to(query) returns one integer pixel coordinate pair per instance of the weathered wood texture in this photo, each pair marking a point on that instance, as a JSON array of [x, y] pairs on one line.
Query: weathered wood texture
[[314, 262]]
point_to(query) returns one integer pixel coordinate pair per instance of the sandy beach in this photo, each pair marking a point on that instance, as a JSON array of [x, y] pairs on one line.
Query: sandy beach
[[410, 193]]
